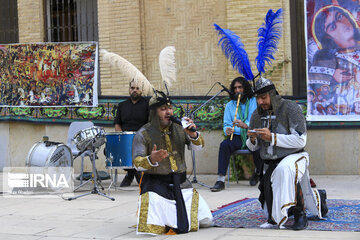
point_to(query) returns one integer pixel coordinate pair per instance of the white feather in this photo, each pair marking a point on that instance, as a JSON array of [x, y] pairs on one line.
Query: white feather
[[168, 65], [128, 69]]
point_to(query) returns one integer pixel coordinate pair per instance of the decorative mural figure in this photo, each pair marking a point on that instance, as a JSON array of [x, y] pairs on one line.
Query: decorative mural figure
[[48, 74]]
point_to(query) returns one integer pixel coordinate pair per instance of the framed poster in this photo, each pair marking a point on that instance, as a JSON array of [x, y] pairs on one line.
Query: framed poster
[[333, 60]]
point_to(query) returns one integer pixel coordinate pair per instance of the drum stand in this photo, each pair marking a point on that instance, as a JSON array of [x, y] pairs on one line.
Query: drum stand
[[82, 172], [94, 179], [113, 178], [91, 179]]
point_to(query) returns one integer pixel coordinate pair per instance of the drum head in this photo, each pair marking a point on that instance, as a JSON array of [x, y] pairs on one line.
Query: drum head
[[53, 160], [56, 155]]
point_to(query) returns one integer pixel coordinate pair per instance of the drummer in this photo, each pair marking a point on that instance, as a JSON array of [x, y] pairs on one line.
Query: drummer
[[131, 115]]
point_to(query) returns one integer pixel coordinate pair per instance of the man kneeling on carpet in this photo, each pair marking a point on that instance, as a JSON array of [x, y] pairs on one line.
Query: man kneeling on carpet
[[167, 203], [279, 131]]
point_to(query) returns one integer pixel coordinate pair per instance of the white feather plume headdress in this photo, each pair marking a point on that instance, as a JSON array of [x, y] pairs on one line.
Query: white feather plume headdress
[[168, 66], [128, 69]]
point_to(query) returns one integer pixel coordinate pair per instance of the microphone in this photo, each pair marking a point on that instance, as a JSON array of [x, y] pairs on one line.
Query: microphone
[[225, 88], [178, 121]]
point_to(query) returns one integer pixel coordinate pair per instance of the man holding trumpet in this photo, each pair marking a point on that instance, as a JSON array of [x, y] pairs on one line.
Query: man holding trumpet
[[236, 121]]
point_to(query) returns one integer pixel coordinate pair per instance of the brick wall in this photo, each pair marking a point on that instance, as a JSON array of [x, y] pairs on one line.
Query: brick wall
[[152, 25], [119, 32], [138, 30], [188, 25], [244, 18], [31, 21]]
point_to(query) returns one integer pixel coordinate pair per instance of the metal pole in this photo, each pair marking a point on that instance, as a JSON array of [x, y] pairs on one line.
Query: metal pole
[[192, 151]]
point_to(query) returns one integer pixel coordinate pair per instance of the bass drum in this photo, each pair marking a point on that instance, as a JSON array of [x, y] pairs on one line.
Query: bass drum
[[54, 160], [47, 154]]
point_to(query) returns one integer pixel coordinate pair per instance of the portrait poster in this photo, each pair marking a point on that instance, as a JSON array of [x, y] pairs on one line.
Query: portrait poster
[[333, 60], [48, 74]]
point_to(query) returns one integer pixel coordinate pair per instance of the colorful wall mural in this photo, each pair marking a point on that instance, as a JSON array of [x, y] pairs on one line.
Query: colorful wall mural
[[48, 74]]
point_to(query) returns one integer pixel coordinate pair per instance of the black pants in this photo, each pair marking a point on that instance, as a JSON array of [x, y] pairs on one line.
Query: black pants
[[133, 173], [227, 147]]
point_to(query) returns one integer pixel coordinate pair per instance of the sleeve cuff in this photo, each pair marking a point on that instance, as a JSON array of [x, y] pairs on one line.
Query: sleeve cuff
[[197, 136], [273, 139], [153, 165], [198, 141]]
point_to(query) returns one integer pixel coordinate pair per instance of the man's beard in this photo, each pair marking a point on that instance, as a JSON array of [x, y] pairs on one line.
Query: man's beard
[[164, 122], [242, 97], [266, 107], [135, 97]]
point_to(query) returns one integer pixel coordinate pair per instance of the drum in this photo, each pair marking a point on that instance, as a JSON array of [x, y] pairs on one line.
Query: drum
[[83, 138], [53, 159], [118, 149], [43, 154]]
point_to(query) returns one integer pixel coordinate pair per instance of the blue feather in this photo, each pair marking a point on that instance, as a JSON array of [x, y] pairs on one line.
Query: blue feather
[[268, 38], [234, 51]]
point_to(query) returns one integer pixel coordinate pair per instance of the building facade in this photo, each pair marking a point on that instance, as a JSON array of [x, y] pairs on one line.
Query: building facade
[[138, 30]]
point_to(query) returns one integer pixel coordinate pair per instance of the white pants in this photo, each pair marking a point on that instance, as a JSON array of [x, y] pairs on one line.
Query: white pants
[[290, 171]]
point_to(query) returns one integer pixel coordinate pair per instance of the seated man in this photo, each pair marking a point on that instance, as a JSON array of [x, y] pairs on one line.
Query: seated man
[[167, 200], [278, 129], [246, 107]]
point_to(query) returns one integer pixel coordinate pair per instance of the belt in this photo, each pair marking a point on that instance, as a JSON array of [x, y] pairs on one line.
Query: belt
[[277, 160], [166, 178]]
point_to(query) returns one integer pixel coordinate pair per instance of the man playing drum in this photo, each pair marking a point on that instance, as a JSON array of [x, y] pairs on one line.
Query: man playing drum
[[167, 202], [131, 115]]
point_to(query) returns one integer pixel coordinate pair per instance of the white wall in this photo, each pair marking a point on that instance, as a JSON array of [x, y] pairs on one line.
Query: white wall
[[334, 151], [4, 145]]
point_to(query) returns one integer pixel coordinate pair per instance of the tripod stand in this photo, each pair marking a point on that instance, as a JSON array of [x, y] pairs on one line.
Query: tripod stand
[[81, 176], [192, 151], [94, 179]]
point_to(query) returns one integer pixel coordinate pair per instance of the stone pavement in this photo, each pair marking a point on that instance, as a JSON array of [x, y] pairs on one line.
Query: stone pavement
[[95, 217]]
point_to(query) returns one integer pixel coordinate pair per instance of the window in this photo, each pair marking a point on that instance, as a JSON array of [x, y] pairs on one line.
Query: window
[[71, 20], [9, 31]]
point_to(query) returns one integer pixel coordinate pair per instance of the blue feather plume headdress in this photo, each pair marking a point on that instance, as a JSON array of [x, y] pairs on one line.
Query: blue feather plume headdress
[[268, 38], [234, 50]]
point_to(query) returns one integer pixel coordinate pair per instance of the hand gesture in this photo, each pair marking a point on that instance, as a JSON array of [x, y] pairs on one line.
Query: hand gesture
[[252, 135], [264, 134], [158, 155], [240, 124], [229, 131]]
